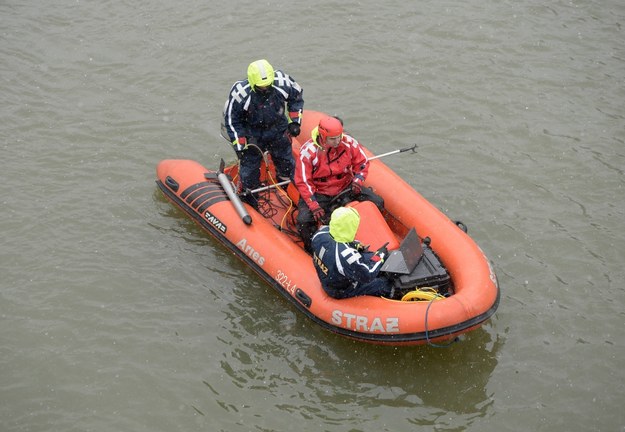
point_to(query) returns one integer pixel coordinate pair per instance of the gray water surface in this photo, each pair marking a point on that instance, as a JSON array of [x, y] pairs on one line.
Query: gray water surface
[[119, 314]]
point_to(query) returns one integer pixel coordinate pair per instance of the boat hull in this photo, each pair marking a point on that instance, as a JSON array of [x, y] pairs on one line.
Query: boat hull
[[267, 247]]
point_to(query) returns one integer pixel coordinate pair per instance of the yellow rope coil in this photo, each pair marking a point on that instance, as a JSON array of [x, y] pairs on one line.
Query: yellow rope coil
[[422, 294]]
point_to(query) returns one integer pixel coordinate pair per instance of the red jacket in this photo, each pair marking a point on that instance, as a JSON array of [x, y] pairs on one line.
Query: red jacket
[[329, 171]]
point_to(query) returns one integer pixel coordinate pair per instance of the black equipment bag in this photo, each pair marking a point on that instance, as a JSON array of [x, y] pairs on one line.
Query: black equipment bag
[[429, 272]]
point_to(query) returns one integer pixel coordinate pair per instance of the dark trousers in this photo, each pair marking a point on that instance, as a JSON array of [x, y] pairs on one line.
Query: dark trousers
[[380, 286], [306, 224], [279, 148]]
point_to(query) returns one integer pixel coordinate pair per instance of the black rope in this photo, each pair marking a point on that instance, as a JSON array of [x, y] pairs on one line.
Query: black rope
[[427, 336]]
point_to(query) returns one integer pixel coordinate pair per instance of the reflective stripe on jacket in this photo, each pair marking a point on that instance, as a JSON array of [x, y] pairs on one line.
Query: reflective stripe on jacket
[[340, 265], [329, 171], [250, 113]]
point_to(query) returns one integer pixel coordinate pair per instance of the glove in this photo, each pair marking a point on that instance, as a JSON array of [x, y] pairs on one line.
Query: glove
[[293, 129], [356, 188], [239, 145], [382, 252], [317, 212], [360, 247]]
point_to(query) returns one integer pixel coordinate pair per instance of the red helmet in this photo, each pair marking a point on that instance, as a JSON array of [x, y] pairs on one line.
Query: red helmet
[[329, 127]]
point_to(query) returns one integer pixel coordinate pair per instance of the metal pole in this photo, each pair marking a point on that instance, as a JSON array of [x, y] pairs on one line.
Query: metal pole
[[264, 188], [234, 198], [394, 152]]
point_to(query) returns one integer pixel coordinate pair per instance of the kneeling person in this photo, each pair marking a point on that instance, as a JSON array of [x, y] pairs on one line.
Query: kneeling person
[[344, 269], [329, 163]]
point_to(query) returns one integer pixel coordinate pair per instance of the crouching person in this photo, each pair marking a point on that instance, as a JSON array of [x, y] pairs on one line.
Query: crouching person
[[344, 268]]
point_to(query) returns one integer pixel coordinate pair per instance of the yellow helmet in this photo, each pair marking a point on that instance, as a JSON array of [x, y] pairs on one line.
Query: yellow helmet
[[260, 73], [344, 224]]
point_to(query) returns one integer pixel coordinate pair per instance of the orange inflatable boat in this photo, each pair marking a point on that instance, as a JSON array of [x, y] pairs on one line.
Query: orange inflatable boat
[[451, 285]]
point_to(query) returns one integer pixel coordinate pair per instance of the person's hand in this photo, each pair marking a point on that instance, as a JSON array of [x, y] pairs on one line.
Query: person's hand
[[318, 215], [317, 212], [239, 145], [293, 129], [356, 188], [382, 252], [361, 247]]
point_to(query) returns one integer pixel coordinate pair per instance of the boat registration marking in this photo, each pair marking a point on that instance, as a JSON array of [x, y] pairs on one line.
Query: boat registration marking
[[363, 323], [286, 282]]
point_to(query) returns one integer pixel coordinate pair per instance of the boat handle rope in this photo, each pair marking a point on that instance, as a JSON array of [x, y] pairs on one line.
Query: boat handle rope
[[427, 294]]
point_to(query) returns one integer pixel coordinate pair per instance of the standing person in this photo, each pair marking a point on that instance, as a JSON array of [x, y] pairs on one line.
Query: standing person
[[329, 162], [255, 114], [344, 268]]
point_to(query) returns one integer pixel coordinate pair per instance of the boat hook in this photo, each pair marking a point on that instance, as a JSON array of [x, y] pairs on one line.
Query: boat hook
[[286, 182]]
